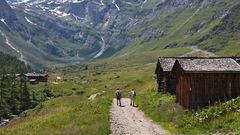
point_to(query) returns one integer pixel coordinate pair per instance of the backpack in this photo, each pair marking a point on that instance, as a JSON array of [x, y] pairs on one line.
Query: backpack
[[118, 94], [133, 94]]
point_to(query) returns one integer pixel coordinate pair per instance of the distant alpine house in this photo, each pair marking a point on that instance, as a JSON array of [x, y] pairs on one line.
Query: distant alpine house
[[35, 78], [203, 81]]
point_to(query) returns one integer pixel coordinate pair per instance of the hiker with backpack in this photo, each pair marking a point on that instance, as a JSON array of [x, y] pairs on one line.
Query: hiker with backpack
[[132, 97], [118, 96]]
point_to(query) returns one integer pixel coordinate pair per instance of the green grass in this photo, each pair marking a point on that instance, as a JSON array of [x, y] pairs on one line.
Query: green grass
[[221, 117], [71, 113], [75, 114], [65, 115], [161, 108]]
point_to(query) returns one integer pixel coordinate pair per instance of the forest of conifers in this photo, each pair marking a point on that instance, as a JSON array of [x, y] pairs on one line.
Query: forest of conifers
[[14, 94], [11, 65]]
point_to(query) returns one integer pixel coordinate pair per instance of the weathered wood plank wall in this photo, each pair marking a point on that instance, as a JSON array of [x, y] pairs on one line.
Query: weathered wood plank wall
[[209, 88]]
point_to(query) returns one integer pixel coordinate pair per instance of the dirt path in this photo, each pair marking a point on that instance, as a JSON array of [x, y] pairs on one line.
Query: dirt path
[[195, 49], [92, 97], [128, 120]]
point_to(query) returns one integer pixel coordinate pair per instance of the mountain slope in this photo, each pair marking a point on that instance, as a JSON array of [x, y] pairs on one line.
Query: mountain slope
[[10, 65], [187, 25], [70, 31], [67, 32]]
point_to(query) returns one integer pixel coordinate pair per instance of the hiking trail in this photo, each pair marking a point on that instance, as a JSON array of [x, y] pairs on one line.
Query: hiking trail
[[128, 120], [195, 49]]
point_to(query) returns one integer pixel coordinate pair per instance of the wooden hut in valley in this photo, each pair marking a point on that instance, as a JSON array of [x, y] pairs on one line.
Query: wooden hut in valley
[[36, 77], [165, 79], [202, 81]]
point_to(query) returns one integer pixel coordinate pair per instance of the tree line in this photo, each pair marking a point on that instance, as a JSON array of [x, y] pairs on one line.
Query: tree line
[[11, 65], [14, 93]]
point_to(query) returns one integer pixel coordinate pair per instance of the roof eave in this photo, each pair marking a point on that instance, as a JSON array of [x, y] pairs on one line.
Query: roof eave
[[211, 72]]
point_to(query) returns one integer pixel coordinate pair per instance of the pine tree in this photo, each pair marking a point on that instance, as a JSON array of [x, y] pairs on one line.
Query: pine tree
[[34, 100], [14, 97], [14, 94], [4, 95], [25, 95]]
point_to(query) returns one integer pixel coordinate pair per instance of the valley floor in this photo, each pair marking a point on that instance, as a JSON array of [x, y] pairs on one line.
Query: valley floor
[[84, 98], [129, 120]]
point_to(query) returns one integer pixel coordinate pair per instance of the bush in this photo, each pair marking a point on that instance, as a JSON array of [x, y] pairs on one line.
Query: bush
[[210, 113]]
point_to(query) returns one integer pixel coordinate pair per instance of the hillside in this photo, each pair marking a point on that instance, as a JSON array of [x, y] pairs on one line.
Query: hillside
[[72, 111], [210, 25], [96, 46], [11, 65], [60, 34]]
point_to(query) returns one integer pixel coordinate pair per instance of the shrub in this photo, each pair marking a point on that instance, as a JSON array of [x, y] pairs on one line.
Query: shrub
[[212, 112]]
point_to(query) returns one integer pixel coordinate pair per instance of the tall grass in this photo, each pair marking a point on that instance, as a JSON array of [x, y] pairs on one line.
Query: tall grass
[[65, 115], [220, 117], [73, 113]]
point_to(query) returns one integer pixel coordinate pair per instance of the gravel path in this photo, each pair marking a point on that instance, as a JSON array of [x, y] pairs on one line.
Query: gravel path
[[195, 49], [128, 120]]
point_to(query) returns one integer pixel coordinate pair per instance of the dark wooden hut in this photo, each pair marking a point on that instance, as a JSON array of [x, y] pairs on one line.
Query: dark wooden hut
[[200, 82], [37, 77], [165, 79]]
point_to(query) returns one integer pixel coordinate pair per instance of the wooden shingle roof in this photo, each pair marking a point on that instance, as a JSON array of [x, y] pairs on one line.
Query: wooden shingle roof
[[167, 63], [209, 65], [36, 75]]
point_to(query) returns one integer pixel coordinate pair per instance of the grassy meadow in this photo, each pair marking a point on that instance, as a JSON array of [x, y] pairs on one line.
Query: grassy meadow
[[71, 112]]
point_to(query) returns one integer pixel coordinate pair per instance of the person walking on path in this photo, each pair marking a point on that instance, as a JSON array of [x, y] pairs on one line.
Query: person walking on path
[[118, 96], [132, 97]]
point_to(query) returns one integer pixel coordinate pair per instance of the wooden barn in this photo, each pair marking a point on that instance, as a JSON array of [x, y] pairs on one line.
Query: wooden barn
[[165, 79], [200, 82], [37, 77]]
